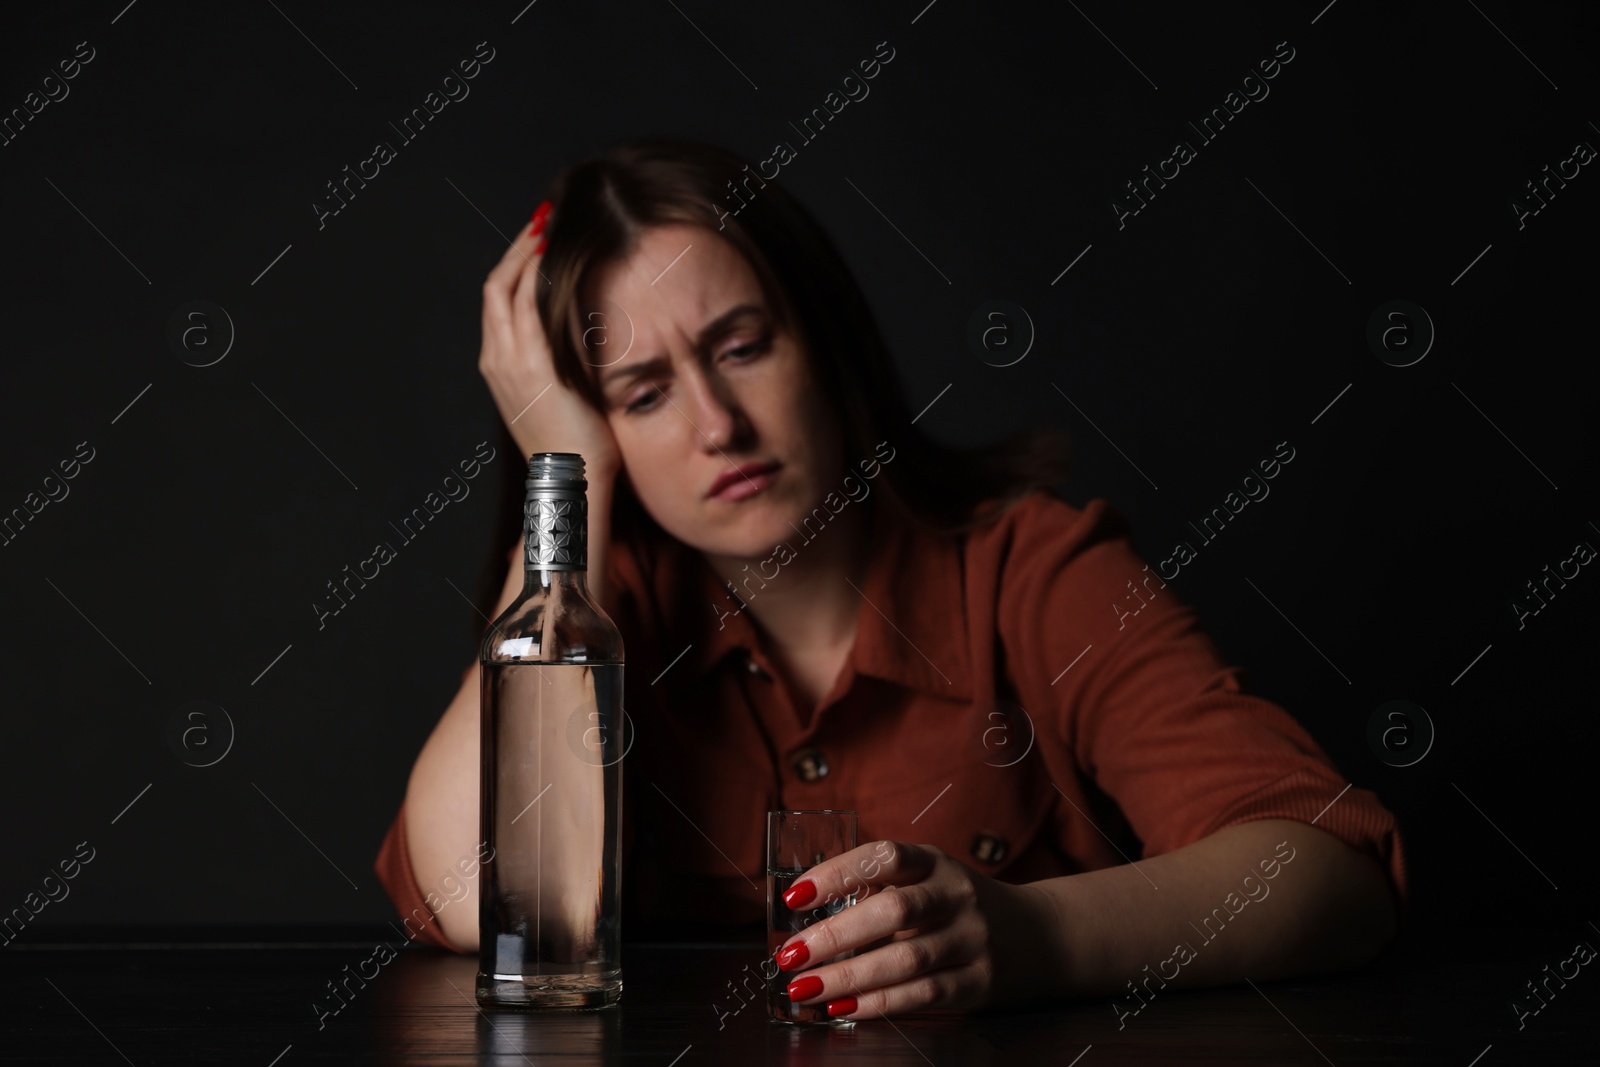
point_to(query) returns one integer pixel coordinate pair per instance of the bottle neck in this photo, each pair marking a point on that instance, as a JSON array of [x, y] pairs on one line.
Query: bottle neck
[[553, 583]]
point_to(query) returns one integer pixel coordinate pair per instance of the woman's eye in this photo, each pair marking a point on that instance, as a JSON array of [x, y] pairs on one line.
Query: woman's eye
[[754, 348], [645, 402], [742, 354]]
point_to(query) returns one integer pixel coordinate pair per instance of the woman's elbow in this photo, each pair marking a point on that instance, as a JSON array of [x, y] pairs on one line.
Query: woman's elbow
[[1377, 920], [1359, 919]]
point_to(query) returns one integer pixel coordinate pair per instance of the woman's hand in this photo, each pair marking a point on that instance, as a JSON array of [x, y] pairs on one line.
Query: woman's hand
[[542, 414], [931, 933]]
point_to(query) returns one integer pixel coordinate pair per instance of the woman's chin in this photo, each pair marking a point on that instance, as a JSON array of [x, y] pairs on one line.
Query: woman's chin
[[756, 527]]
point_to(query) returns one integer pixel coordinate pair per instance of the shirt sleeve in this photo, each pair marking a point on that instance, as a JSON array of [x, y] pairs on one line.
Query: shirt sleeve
[[1144, 706]]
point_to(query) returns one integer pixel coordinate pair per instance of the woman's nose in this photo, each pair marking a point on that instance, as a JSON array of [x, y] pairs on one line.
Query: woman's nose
[[716, 413]]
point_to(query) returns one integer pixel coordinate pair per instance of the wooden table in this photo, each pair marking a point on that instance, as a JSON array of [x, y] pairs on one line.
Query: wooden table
[[1447, 1002]]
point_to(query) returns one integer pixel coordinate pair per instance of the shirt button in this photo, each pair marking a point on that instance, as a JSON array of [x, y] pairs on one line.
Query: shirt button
[[988, 848], [811, 765]]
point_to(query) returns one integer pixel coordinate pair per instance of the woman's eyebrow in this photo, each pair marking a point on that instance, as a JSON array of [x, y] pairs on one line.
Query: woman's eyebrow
[[707, 332]]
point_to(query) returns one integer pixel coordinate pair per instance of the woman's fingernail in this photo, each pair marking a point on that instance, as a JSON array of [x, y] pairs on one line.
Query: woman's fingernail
[[538, 248], [540, 214], [842, 1006], [793, 957], [800, 894], [804, 988]]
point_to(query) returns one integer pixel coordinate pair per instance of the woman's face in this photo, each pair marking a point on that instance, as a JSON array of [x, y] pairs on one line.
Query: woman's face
[[710, 385]]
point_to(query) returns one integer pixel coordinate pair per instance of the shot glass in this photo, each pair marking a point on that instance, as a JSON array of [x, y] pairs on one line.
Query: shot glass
[[798, 840]]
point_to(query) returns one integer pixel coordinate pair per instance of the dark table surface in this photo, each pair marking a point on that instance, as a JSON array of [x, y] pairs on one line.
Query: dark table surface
[[1448, 1001]]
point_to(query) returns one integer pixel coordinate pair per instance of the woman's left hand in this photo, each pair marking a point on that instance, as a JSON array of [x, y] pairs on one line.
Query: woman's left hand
[[930, 933]]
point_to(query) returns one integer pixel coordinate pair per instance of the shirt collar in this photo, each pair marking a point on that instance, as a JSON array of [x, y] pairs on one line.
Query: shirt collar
[[911, 623]]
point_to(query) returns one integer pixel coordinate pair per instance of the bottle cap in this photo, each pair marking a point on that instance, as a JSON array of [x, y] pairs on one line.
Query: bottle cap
[[556, 513]]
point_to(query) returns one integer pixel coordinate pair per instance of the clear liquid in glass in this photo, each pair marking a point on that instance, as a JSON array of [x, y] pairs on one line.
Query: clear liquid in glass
[[782, 924]]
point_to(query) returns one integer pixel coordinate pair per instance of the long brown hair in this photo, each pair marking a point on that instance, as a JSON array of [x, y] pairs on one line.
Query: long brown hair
[[600, 207]]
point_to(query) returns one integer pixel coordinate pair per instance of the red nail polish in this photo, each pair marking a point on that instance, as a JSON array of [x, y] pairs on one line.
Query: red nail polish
[[842, 1006], [793, 957], [540, 214], [800, 894], [538, 248], [805, 987]]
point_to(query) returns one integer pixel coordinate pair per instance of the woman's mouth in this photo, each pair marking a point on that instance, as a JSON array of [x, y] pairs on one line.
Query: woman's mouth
[[737, 483]]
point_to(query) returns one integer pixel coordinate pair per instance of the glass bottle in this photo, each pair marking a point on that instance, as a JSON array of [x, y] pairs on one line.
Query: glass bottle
[[551, 747]]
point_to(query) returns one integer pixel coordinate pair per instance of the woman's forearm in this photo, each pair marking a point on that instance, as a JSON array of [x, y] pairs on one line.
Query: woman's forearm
[[1259, 900], [442, 815]]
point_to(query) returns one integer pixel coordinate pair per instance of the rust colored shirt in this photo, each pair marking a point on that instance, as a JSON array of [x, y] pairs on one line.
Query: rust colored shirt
[[1031, 697]]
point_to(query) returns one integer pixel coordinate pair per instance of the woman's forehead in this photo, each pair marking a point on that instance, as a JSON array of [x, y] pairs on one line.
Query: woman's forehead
[[678, 280], [685, 261]]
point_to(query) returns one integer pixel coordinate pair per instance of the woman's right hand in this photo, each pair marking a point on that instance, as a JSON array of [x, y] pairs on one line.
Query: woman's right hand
[[516, 363]]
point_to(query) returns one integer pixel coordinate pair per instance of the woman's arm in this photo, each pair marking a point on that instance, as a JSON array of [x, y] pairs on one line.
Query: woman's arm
[[441, 804], [1259, 900], [1262, 899], [1155, 719]]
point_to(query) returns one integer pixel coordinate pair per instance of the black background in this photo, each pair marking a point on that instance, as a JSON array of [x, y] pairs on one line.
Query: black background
[[1209, 328]]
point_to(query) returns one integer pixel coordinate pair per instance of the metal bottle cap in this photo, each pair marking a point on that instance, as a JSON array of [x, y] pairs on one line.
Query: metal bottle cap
[[556, 513]]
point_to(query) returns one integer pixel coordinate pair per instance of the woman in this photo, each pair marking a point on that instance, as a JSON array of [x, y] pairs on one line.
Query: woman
[[823, 608]]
